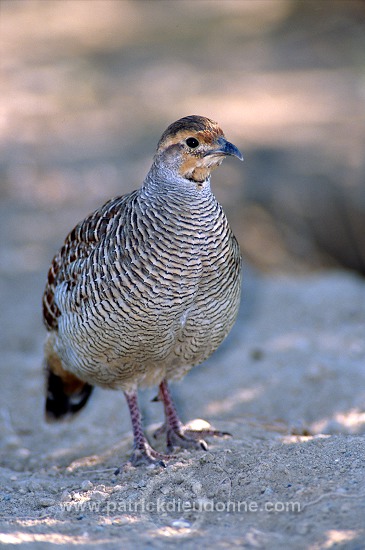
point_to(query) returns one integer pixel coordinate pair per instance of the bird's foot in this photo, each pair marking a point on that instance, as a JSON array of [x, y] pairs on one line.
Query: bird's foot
[[190, 436], [143, 453], [146, 456]]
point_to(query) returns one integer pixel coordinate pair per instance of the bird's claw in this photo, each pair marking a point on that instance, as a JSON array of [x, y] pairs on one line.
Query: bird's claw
[[146, 456], [188, 438]]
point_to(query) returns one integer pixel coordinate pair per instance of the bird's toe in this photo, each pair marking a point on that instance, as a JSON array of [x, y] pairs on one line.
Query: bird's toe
[[190, 436], [147, 456]]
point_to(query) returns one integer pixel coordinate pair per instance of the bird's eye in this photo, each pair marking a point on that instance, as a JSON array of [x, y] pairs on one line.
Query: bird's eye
[[192, 142]]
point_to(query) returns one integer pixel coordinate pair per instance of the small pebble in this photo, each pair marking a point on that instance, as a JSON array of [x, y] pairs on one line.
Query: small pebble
[[34, 487], [45, 502], [257, 354], [197, 487], [99, 496], [120, 521], [86, 485], [65, 496], [181, 524], [22, 453], [11, 441], [303, 528]]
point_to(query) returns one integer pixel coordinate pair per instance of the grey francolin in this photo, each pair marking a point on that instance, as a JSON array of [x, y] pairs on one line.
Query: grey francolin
[[146, 287]]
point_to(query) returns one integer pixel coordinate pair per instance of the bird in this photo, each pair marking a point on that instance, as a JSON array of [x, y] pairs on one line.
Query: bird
[[146, 288]]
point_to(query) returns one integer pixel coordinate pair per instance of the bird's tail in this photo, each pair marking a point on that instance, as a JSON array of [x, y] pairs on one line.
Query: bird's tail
[[65, 393]]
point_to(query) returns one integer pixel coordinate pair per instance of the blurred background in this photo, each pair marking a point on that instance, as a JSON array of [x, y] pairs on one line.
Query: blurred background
[[88, 86]]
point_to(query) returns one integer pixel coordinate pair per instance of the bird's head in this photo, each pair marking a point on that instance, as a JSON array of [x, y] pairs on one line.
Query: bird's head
[[193, 146]]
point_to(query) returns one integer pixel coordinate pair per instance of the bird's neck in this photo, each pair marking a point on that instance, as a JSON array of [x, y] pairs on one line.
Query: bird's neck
[[167, 186]]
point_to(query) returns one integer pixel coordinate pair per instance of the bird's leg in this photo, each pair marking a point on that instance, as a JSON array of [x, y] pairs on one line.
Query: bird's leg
[[176, 433], [143, 452]]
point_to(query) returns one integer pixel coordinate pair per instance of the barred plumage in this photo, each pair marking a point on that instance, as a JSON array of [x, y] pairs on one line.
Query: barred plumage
[[147, 286]]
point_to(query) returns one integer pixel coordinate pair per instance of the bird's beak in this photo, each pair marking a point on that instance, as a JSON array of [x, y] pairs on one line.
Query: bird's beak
[[226, 148]]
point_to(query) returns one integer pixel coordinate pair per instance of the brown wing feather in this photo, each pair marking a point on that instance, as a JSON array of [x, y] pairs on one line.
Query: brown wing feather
[[78, 245]]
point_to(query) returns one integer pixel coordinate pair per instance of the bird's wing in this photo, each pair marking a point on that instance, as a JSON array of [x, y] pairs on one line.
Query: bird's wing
[[78, 245]]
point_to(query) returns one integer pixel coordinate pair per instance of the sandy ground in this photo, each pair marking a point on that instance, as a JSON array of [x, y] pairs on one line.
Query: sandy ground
[[288, 384]]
